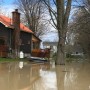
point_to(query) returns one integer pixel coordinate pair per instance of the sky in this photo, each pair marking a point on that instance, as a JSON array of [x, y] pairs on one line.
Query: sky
[[8, 2], [9, 6]]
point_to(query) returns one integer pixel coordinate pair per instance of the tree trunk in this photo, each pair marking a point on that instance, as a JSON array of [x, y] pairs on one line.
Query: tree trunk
[[61, 52], [60, 14], [62, 23]]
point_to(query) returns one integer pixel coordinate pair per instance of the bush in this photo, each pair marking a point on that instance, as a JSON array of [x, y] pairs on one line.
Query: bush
[[68, 55], [73, 56], [54, 56]]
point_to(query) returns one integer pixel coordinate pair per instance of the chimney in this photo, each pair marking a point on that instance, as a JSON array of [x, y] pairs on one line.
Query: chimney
[[16, 32], [16, 19]]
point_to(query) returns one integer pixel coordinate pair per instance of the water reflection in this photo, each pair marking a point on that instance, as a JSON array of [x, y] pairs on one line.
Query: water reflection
[[20, 64], [27, 76], [74, 77], [24, 76]]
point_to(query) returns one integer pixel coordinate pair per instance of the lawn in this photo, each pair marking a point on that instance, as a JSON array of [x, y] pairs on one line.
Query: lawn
[[11, 60]]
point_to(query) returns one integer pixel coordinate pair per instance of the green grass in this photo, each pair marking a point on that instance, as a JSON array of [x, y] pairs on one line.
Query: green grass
[[73, 59], [11, 60]]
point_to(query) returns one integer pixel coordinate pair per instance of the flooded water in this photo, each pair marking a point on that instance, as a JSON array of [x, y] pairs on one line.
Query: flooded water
[[27, 76]]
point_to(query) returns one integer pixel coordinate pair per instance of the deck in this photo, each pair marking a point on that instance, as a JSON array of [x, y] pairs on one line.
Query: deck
[[3, 51]]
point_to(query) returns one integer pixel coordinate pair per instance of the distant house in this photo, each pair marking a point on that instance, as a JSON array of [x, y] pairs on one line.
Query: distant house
[[16, 37]]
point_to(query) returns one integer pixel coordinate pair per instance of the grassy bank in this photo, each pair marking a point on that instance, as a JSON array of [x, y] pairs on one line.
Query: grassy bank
[[11, 60], [69, 57]]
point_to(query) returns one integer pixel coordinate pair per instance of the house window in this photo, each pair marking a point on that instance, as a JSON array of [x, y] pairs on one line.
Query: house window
[[2, 41]]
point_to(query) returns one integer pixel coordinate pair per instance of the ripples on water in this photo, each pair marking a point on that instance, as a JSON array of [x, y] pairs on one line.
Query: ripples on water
[[27, 76]]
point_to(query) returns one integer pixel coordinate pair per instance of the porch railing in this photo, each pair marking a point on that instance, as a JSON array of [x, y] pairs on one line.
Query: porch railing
[[3, 51], [42, 53]]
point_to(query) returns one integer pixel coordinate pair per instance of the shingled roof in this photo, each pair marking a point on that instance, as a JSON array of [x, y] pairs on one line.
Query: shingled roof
[[8, 23]]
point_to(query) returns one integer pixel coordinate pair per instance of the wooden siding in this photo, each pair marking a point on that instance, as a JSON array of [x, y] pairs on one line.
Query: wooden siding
[[43, 53], [35, 42], [25, 42], [4, 32], [25, 39], [3, 51]]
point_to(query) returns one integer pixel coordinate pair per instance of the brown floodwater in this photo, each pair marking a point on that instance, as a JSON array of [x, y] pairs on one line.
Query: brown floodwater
[[31, 76]]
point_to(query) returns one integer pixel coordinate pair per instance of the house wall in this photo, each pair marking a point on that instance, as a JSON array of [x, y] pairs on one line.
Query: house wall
[[36, 45], [25, 39], [25, 42], [35, 42], [5, 33]]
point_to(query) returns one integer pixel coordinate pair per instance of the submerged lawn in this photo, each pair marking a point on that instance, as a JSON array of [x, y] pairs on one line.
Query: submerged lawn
[[11, 60]]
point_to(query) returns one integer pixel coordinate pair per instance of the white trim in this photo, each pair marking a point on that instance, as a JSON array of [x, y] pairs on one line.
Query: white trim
[[4, 24]]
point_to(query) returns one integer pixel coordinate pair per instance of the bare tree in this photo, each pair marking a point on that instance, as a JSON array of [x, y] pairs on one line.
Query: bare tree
[[86, 4], [32, 12], [81, 30], [83, 4], [59, 11]]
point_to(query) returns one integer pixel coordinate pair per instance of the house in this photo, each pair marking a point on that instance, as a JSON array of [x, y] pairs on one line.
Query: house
[[16, 37]]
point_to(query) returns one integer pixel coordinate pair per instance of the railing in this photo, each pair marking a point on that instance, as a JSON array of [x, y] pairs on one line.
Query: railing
[[43, 53], [3, 51]]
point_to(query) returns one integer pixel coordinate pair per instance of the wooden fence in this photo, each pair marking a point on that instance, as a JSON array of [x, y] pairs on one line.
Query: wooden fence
[[42, 53]]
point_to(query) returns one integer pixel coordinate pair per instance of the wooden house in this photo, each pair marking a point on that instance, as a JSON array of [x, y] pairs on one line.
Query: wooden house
[[16, 37]]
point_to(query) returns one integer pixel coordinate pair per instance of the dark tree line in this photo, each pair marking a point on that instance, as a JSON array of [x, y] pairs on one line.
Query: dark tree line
[[81, 28]]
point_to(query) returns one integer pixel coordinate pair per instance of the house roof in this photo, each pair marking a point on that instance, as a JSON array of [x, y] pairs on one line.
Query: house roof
[[8, 23], [35, 38]]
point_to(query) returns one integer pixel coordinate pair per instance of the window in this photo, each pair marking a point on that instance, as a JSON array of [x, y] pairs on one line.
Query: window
[[2, 41]]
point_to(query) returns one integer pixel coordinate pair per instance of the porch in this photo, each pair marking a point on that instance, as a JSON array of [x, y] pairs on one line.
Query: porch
[[3, 48], [42, 53]]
